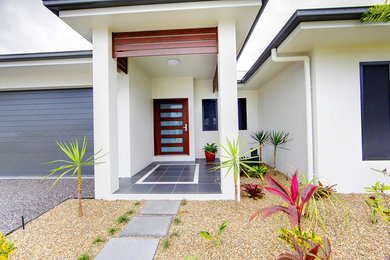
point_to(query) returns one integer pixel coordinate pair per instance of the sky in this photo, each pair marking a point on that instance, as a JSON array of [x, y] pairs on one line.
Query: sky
[[27, 26]]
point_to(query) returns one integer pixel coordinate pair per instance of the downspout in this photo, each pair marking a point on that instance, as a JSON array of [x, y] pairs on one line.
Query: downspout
[[309, 112]]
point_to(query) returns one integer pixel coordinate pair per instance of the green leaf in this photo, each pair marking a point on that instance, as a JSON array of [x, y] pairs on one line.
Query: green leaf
[[222, 228], [206, 235]]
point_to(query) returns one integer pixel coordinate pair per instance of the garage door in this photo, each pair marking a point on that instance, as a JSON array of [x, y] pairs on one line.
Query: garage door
[[31, 122]]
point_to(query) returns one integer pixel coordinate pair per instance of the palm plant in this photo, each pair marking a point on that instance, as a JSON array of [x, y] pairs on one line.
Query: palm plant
[[234, 159], [277, 139], [74, 164], [261, 137], [378, 13]]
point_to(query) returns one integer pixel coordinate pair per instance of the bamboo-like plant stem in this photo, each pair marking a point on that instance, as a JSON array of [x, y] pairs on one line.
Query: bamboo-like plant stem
[[260, 155], [275, 158], [79, 195]]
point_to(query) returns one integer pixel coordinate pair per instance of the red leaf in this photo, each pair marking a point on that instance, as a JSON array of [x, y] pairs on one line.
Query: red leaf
[[308, 192], [312, 253], [293, 215], [294, 188], [286, 256], [268, 211], [297, 247], [277, 186], [280, 194]]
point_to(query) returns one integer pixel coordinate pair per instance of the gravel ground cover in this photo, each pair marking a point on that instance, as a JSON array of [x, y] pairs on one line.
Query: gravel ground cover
[[60, 234], [31, 198], [258, 239]]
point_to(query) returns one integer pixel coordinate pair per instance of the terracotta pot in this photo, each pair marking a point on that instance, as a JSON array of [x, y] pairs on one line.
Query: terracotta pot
[[209, 156]]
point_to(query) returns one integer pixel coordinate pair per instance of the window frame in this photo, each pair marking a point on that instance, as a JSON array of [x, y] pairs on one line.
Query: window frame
[[246, 114], [216, 114]]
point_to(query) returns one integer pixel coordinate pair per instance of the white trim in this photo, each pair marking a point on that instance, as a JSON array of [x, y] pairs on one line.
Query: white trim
[[195, 181], [45, 62], [157, 8], [40, 178]]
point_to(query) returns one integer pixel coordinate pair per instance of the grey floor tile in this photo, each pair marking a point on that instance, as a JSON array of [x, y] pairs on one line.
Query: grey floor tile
[[185, 188], [129, 249], [162, 188], [147, 226], [209, 188], [161, 207], [140, 188]]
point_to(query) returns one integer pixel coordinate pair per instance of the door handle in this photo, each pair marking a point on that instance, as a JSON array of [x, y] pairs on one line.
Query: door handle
[[185, 127]]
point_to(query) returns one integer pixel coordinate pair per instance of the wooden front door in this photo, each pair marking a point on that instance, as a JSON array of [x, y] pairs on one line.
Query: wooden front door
[[171, 126]]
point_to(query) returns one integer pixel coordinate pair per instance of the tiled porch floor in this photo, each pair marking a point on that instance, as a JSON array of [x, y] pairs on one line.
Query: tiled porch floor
[[173, 178]]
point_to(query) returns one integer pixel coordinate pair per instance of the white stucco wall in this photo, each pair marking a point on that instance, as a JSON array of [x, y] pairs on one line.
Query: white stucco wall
[[141, 118], [177, 88], [46, 74], [281, 107], [336, 79], [204, 90]]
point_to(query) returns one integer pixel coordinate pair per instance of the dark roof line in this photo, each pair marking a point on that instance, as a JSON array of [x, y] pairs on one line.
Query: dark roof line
[[46, 56], [61, 5], [307, 15], [263, 5]]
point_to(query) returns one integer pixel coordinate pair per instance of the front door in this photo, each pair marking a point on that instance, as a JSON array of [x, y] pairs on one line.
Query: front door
[[171, 126]]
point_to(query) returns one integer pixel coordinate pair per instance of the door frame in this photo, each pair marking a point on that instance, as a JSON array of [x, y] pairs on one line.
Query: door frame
[[157, 128]]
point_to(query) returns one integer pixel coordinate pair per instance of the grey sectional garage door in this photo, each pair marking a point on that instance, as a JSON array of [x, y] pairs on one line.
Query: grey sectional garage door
[[31, 122]]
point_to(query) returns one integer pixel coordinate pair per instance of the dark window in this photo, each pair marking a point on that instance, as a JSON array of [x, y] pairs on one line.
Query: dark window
[[210, 114], [242, 122], [375, 108]]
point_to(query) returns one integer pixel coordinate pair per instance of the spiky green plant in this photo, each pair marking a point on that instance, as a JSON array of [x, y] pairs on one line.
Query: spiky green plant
[[74, 164], [177, 221], [130, 212], [84, 257], [323, 200], [112, 230], [166, 243], [261, 137], [378, 13], [277, 139], [233, 160], [97, 240], [216, 239], [137, 203], [123, 219]]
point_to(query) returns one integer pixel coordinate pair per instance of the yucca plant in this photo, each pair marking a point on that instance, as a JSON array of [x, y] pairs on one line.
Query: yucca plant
[[378, 13], [277, 139], [233, 160], [261, 137], [74, 164]]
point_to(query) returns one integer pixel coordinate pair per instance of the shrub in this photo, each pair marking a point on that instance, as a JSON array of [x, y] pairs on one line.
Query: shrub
[[253, 191], [315, 251], [6, 247], [258, 172], [286, 234], [210, 148], [379, 205], [217, 238]]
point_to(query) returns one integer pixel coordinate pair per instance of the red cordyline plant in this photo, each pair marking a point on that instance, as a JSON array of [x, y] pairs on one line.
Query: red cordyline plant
[[315, 252], [295, 199]]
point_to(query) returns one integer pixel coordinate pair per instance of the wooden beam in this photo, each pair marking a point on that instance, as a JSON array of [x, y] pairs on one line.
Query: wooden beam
[[215, 80], [167, 42], [121, 64]]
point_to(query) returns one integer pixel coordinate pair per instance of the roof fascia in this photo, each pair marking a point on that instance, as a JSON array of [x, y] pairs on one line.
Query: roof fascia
[[46, 56], [307, 15]]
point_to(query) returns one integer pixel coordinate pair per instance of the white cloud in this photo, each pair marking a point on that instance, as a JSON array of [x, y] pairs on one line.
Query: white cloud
[[28, 26]]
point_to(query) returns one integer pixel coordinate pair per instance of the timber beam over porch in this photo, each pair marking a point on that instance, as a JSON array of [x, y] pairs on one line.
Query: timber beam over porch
[[162, 43]]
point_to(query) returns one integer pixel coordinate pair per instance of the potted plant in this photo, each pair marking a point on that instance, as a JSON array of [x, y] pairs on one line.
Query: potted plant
[[209, 151]]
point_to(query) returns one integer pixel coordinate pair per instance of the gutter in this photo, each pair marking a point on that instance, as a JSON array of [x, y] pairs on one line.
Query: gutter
[[46, 56], [307, 15], [309, 109]]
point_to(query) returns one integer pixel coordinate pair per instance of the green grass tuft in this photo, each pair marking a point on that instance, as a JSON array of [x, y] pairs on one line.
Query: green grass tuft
[[123, 219], [84, 257], [174, 234], [130, 212], [166, 244], [112, 230], [177, 221], [97, 240], [137, 203], [184, 202]]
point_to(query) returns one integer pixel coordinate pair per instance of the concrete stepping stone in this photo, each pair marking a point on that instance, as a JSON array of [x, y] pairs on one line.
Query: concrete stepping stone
[[129, 249], [161, 207], [147, 226]]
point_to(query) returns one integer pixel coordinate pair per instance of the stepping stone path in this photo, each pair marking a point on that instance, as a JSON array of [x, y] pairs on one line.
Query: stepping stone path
[[156, 225]]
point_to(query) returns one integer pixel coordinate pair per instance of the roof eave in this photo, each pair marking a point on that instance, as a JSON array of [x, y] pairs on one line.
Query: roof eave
[[307, 15], [46, 56]]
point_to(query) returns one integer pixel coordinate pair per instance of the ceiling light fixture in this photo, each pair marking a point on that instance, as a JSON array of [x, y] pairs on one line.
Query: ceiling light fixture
[[173, 62]]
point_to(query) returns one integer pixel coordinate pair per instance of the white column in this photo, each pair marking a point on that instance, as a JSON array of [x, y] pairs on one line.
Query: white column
[[227, 96], [105, 113]]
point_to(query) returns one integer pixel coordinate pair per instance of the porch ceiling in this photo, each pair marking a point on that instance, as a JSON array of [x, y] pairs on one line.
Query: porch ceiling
[[200, 66]]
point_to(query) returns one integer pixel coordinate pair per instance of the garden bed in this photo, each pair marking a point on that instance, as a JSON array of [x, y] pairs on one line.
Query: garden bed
[[60, 234]]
